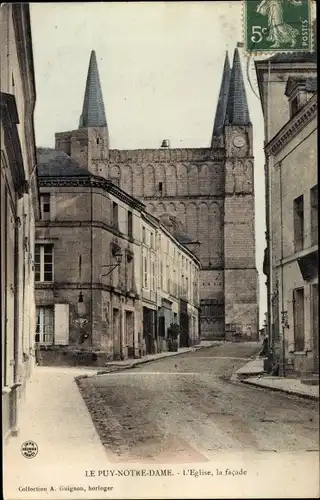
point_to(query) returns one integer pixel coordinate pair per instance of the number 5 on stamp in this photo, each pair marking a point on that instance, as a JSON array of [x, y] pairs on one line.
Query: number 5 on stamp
[[277, 25]]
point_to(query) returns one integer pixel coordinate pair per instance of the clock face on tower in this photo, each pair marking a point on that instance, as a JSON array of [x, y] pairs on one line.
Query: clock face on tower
[[239, 141]]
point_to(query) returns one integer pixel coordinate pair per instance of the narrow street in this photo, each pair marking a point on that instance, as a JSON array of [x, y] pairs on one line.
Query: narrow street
[[185, 409]]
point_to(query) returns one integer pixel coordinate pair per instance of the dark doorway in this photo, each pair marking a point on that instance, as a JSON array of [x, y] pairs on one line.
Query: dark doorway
[[184, 324], [116, 334], [298, 316], [129, 332], [149, 329]]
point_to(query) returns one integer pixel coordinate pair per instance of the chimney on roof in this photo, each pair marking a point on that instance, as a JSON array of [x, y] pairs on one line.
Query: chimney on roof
[[165, 143]]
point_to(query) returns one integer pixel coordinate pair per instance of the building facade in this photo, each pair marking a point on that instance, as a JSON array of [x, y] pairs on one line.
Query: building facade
[[19, 209], [288, 89], [204, 196], [109, 277]]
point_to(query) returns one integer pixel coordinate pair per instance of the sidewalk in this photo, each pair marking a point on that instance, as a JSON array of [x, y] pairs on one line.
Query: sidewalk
[[285, 384], [56, 418], [252, 373], [250, 369]]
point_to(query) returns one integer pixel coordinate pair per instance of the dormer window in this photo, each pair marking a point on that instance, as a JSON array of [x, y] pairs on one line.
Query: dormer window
[[299, 91], [294, 106], [45, 206]]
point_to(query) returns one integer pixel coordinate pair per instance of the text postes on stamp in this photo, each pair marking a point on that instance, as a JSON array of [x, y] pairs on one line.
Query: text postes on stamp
[[277, 26]]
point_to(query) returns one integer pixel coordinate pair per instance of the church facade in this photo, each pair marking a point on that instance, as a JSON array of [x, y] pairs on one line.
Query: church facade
[[204, 196]]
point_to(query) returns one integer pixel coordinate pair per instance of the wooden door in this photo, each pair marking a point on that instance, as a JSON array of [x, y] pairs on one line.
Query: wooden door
[[298, 317]]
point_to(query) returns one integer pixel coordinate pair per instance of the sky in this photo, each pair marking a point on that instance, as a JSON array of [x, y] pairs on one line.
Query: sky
[[160, 68]]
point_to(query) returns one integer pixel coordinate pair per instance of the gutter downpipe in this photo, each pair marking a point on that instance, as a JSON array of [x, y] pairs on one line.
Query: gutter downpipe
[[282, 359], [269, 166], [269, 248], [15, 361]]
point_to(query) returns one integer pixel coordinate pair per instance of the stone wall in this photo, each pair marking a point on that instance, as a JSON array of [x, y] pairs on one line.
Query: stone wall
[[19, 207]]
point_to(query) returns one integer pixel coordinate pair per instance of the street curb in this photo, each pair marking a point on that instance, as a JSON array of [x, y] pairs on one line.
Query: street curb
[[116, 368], [243, 376], [143, 361], [277, 389]]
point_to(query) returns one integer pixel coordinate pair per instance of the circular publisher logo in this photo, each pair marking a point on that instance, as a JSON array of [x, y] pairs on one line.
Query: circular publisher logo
[[29, 449]]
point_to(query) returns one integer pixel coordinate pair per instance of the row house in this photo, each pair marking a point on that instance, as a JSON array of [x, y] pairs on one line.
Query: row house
[[288, 89], [109, 277], [169, 286], [19, 209]]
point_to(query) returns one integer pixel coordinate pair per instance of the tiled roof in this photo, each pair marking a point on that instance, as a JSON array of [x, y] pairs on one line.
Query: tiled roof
[[183, 238], [237, 112], [55, 163], [93, 113], [223, 99], [308, 84]]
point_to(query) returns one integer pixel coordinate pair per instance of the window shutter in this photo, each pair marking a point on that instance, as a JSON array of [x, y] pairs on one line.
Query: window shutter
[[61, 324], [52, 206]]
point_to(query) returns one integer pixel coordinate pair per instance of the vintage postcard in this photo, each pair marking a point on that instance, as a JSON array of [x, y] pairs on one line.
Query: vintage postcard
[[159, 250]]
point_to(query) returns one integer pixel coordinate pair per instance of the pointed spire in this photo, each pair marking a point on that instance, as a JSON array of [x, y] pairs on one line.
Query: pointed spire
[[93, 113], [237, 112], [223, 98]]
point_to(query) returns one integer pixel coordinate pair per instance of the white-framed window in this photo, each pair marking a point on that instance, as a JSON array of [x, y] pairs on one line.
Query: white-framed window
[[43, 261], [294, 106], [145, 272], [152, 240], [115, 215], [45, 206], [45, 325], [314, 214], [129, 272], [130, 220], [153, 276], [161, 275], [143, 234]]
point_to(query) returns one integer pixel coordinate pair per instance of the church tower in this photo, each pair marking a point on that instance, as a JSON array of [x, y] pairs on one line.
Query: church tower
[[89, 144], [240, 274], [205, 196]]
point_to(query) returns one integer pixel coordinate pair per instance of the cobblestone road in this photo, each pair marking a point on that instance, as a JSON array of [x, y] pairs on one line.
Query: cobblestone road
[[185, 409]]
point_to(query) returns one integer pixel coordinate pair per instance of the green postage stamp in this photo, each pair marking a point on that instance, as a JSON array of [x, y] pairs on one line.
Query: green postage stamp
[[278, 25]]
